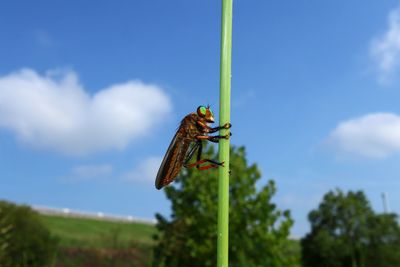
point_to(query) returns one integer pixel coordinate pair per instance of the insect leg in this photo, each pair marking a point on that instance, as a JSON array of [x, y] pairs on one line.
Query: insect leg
[[225, 126], [199, 146], [199, 151], [191, 152], [209, 129], [214, 139], [214, 164], [202, 168]]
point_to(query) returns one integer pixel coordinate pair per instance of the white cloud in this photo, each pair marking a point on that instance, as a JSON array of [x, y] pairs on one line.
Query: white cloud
[[54, 112], [375, 135], [385, 49], [146, 171]]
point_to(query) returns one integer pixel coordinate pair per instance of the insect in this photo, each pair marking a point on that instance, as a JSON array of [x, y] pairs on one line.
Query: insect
[[193, 129]]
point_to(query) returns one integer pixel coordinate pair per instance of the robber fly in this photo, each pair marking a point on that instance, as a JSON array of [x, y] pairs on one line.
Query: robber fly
[[192, 130]]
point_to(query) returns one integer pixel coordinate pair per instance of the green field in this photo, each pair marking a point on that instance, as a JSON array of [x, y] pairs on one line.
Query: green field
[[92, 242], [92, 233], [101, 243]]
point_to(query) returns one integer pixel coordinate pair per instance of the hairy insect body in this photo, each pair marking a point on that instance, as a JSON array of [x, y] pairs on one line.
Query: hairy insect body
[[177, 151], [190, 127], [192, 130]]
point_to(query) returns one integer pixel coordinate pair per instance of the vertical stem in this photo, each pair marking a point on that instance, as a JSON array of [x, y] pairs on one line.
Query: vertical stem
[[224, 117]]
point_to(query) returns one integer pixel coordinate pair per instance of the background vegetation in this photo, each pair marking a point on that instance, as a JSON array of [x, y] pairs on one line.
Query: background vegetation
[[258, 230], [345, 231], [91, 233], [91, 242], [25, 241]]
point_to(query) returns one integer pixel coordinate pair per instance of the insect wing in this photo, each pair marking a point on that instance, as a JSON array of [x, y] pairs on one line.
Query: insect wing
[[172, 162]]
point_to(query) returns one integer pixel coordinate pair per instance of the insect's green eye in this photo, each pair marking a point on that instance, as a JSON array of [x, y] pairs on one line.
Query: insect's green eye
[[203, 110]]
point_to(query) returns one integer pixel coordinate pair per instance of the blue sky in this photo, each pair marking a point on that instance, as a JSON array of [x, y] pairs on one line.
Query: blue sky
[[90, 96]]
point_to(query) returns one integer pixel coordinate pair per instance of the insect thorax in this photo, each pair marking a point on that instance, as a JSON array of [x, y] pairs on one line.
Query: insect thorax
[[190, 128]]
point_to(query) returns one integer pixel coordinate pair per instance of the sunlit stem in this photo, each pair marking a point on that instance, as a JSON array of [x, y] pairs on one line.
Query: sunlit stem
[[224, 113]]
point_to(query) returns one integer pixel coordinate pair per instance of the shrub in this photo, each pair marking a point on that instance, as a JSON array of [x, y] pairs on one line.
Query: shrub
[[25, 242]]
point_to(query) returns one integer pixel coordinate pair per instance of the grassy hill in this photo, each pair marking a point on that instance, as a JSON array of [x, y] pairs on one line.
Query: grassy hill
[[91, 242], [84, 232]]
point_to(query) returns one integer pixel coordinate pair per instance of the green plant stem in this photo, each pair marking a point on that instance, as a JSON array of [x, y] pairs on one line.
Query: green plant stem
[[224, 113]]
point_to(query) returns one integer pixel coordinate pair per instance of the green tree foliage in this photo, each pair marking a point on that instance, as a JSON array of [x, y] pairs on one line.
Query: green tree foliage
[[384, 241], [258, 231], [5, 229], [345, 232], [26, 242]]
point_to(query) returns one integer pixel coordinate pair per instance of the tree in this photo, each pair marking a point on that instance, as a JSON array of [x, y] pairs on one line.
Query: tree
[[384, 241], [26, 242], [345, 232], [258, 231], [5, 229]]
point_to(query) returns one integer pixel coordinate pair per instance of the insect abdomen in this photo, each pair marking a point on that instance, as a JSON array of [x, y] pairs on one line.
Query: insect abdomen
[[172, 162]]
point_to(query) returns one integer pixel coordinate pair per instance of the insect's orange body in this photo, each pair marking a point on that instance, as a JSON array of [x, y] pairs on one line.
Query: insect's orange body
[[192, 130]]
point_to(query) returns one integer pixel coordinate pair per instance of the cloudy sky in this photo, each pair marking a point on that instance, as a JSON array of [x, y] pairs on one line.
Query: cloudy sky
[[90, 96]]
